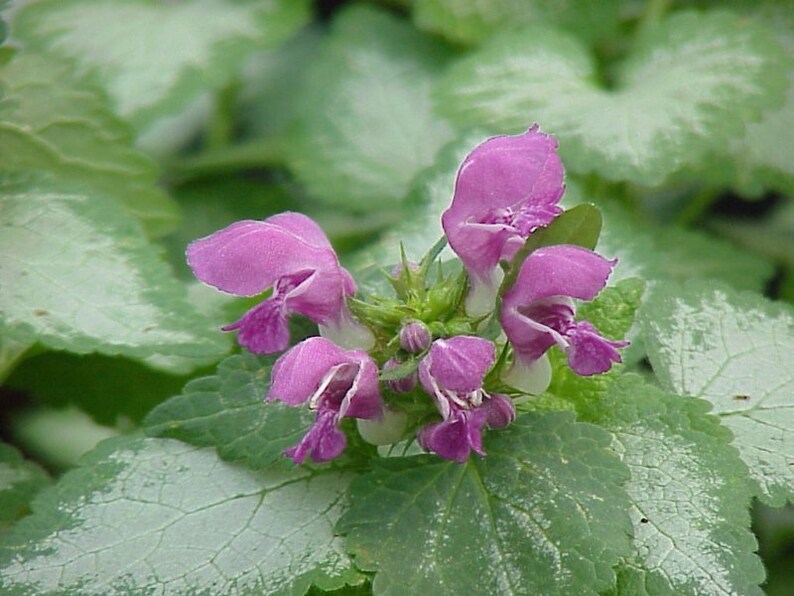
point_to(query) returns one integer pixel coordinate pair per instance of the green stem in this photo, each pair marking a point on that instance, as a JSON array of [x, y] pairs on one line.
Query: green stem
[[221, 125], [654, 12], [695, 208], [259, 153]]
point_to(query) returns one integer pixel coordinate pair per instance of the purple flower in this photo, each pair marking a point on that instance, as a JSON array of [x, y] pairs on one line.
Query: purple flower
[[288, 253], [453, 373], [336, 383], [506, 187], [538, 310]]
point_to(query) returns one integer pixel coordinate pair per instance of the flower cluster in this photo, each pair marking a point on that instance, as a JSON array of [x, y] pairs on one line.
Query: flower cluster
[[417, 365]]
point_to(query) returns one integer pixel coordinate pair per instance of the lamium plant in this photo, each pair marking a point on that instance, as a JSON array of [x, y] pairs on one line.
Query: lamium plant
[[506, 188], [380, 298]]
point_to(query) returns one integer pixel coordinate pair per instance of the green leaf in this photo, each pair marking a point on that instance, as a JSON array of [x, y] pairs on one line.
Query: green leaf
[[764, 159], [111, 390], [20, 480], [689, 87], [366, 125], [75, 274], [689, 493], [227, 411], [159, 516], [613, 310], [673, 253], [544, 513], [733, 349], [472, 21], [156, 58], [53, 122]]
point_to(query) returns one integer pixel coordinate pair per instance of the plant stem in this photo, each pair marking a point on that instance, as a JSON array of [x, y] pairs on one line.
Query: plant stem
[[654, 12], [695, 208], [259, 153]]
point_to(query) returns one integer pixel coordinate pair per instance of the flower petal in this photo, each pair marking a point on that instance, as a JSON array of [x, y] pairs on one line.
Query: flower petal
[[561, 270], [457, 364], [456, 438], [263, 329], [298, 373], [248, 257], [590, 353], [521, 176], [323, 441], [364, 399]]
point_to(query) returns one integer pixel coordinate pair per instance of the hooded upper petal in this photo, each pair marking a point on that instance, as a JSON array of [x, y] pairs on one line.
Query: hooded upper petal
[[248, 257], [561, 270], [297, 374], [505, 188], [327, 376], [457, 364]]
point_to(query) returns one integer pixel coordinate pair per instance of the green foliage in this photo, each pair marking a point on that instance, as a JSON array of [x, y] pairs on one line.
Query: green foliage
[[146, 514], [542, 513], [94, 284], [20, 480], [154, 59], [734, 350], [687, 88], [366, 125], [226, 411], [474, 20], [688, 491], [54, 122]]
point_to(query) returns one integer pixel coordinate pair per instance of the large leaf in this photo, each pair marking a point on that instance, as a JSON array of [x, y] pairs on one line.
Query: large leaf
[[20, 480], [155, 58], [733, 349], [227, 411], [544, 513], [475, 20], [366, 125], [75, 274], [51, 121], [159, 516], [689, 493], [689, 87]]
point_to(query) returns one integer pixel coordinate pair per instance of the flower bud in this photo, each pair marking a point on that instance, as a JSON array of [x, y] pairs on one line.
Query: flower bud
[[415, 337], [500, 411], [401, 385]]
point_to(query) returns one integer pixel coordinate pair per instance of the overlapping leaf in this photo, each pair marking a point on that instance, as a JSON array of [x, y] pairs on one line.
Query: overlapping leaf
[[689, 87], [20, 480], [156, 515], [475, 20], [155, 58], [366, 125], [688, 490], [226, 411], [544, 512], [75, 274], [735, 351], [52, 122]]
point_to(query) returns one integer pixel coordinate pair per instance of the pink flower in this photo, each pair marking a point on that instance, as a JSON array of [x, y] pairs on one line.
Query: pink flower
[[538, 311], [453, 372], [336, 383], [288, 253], [505, 188]]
